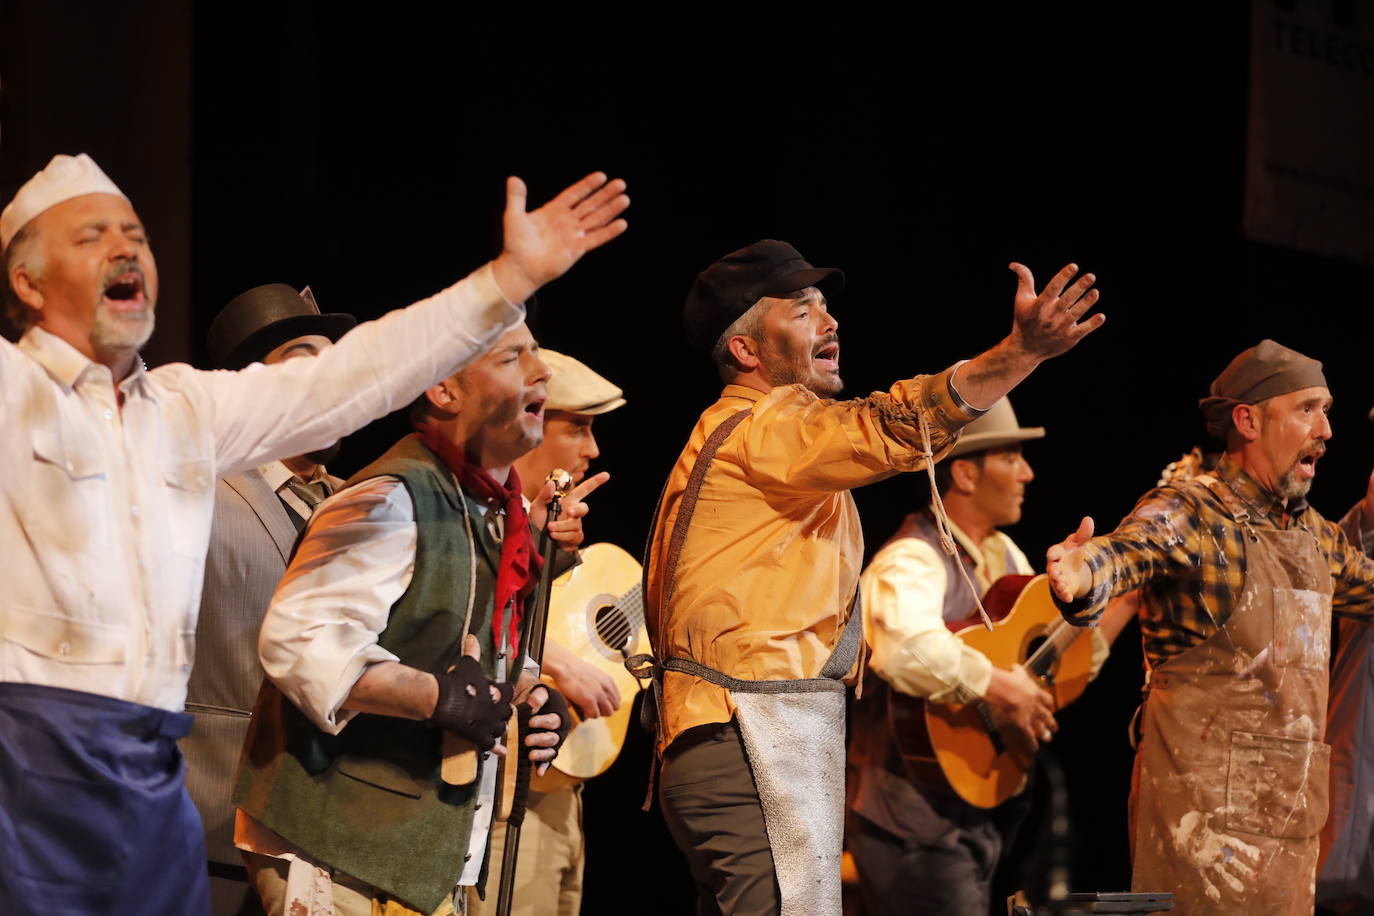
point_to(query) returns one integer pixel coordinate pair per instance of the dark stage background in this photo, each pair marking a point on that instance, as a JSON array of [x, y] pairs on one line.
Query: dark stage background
[[364, 156]]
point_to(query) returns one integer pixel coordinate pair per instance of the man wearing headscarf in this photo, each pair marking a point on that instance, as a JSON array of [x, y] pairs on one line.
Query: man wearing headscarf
[[107, 473], [1239, 578]]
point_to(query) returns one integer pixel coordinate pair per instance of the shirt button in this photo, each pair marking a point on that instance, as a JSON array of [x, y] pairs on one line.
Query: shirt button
[[64, 649], [134, 509], [109, 414], [71, 468]]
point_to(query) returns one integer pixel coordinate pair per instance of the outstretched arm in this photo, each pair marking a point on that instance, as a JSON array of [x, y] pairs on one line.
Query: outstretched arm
[[384, 364], [1044, 325]]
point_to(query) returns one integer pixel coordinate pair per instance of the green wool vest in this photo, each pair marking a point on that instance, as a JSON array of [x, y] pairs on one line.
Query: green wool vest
[[369, 801]]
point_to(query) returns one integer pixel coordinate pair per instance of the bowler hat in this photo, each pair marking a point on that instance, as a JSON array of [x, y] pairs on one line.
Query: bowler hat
[[257, 322], [730, 287], [995, 429]]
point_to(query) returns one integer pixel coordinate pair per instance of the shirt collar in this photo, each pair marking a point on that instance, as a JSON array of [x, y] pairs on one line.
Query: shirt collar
[[742, 391], [66, 364], [1245, 486], [975, 551], [277, 474], [63, 362]]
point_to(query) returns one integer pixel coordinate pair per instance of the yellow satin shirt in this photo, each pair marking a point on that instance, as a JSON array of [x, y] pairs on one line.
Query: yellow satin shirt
[[772, 557]]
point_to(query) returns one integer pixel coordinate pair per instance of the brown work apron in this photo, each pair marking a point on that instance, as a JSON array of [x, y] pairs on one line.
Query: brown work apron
[[1230, 783]]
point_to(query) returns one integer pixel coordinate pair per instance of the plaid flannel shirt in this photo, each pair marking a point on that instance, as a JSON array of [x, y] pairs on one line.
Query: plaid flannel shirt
[[1186, 553]]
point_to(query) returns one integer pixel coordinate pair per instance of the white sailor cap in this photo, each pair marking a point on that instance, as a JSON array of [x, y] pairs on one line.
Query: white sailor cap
[[64, 177]]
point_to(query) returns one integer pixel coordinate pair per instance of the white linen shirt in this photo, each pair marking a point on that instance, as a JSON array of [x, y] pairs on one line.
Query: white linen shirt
[[105, 511], [320, 633]]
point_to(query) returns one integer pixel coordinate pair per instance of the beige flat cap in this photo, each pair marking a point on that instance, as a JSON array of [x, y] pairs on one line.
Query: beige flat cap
[[574, 388]]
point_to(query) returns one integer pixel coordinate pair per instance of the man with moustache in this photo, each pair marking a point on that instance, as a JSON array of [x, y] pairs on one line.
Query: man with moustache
[[427, 550], [755, 558], [548, 877], [1238, 579], [258, 514], [910, 835], [108, 482]]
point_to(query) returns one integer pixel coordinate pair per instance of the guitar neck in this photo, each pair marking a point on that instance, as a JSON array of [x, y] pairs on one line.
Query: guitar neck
[[1059, 637]]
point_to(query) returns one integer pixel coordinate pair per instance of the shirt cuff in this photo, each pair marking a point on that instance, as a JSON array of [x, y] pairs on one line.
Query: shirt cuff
[[943, 406], [1087, 610], [973, 412]]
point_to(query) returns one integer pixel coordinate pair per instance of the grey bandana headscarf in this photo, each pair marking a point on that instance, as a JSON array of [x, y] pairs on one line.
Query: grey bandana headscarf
[[1264, 371]]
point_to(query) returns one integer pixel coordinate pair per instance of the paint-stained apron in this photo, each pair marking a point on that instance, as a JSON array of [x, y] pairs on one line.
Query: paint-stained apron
[[1230, 785], [94, 814], [792, 731]]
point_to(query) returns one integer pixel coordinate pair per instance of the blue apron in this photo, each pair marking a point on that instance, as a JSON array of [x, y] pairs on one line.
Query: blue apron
[[94, 814]]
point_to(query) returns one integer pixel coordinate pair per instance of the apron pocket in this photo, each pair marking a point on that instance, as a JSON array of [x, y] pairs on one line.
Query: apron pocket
[[384, 774], [1276, 786]]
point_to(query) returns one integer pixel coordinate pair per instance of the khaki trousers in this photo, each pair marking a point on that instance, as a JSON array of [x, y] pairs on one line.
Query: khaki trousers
[[351, 897], [548, 872]]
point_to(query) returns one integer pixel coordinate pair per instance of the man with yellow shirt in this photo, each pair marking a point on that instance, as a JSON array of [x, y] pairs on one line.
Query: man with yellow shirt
[[913, 839], [755, 557]]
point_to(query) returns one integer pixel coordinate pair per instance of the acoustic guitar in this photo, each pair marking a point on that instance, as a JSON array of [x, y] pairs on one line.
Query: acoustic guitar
[[596, 611], [970, 747]]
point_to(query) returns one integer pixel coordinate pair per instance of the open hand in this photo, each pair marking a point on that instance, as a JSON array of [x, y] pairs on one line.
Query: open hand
[[1064, 564], [1046, 323], [541, 245]]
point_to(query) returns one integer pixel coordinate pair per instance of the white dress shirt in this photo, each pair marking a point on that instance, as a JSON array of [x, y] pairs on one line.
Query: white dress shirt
[[321, 630], [106, 510]]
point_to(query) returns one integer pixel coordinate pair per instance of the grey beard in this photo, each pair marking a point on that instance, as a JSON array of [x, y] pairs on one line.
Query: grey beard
[[1290, 487]]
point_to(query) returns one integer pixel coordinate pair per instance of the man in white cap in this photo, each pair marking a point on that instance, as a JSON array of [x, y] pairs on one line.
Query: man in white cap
[[549, 883], [109, 474], [911, 836]]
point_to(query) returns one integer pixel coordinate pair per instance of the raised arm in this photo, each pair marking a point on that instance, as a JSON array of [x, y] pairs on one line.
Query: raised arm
[[304, 404], [1044, 325]]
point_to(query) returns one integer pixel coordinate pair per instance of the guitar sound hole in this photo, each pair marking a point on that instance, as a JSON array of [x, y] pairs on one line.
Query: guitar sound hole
[[613, 628]]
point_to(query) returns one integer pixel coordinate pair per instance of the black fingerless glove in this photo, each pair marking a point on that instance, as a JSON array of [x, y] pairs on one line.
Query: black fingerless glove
[[555, 704], [465, 706]]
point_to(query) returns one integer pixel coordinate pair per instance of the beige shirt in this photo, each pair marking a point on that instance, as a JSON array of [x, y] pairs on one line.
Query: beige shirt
[[768, 571], [106, 511], [904, 590]]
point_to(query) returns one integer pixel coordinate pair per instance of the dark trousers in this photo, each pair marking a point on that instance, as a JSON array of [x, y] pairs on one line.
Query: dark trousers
[[942, 866], [712, 808]]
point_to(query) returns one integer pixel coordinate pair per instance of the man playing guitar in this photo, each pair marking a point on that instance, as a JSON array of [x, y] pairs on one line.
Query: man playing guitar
[[913, 838]]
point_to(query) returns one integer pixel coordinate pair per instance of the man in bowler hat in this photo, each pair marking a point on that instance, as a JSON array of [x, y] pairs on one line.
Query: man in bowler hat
[[258, 514]]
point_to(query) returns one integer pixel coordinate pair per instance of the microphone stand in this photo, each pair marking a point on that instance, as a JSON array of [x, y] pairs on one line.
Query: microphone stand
[[532, 632]]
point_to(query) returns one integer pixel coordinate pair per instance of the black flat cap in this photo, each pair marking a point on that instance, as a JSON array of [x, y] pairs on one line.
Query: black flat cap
[[730, 287], [257, 322]]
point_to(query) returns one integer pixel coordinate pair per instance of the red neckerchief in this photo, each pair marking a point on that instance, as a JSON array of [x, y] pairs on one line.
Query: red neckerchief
[[520, 562]]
